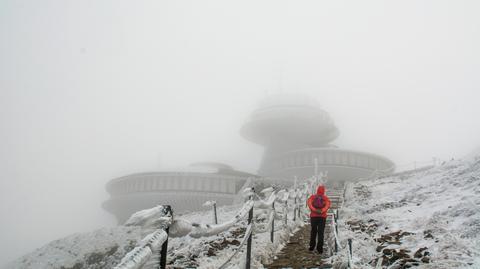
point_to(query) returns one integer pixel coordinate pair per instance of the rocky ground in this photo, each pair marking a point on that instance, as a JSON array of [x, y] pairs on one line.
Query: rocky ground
[[427, 219]]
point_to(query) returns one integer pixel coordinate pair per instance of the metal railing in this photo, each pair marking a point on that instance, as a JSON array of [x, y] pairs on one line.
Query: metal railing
[[151, 243], [157, 242], [337, 247]]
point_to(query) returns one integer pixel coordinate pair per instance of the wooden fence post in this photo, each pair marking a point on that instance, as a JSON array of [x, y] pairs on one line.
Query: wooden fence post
[[298, 211], [336, 222], [249, 241], [336, 229], [295, 208], [273, 222], [163, 250], [215, 212], [350, 252]]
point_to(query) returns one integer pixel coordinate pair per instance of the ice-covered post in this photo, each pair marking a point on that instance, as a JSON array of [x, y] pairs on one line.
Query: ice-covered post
[[215, 212], [214, 206], [335, 216], [313, 184], [295, 208], [167, 211], [273, 222], [350, 253], [286, 212], [297, 194], [249, 241], [298, 211]]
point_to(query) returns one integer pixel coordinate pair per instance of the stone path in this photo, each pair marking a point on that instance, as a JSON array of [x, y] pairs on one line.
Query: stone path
[[296, 255]]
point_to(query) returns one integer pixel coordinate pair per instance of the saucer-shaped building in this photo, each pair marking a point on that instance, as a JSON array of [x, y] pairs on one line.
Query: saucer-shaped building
[[185, 189], [296, 134]]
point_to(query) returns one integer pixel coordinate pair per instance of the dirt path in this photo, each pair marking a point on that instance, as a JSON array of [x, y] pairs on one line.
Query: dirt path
[[296, 255]]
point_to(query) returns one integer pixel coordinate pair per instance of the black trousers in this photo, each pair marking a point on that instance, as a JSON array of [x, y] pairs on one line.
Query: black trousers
[[316, 234]]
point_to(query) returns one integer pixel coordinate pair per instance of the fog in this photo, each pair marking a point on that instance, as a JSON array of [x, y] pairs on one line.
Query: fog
[[92, 90]]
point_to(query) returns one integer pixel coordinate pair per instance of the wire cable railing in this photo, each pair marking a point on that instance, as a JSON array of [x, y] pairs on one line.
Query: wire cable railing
[[248, 232], [162, 218]]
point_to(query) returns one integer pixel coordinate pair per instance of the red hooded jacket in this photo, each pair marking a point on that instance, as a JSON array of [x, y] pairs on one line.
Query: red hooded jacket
[[323, 211]]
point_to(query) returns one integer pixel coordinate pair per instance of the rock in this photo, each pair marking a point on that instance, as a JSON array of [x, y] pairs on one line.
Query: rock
[[418, 253], [427, 234], [425, 260], [387, 251]]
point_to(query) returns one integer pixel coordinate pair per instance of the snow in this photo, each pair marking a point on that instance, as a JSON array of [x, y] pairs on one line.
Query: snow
[[210, 203], [439, 206], [437, 209], [268, 203], [100, 249], [203, 230], [193, 241], [152, 217], [140, 254]]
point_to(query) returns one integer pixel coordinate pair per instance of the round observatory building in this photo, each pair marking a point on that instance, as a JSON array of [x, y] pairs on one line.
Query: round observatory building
[[185, 189], [296, 134]]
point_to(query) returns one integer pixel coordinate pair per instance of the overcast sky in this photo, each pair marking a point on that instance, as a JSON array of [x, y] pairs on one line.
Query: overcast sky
[[92, 90]]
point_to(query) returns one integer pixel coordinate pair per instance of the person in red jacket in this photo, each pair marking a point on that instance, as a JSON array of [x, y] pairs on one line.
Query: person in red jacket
[[318, 205]]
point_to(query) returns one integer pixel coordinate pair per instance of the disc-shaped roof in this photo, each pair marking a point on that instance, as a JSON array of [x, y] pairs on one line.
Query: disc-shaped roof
[[290, 117]]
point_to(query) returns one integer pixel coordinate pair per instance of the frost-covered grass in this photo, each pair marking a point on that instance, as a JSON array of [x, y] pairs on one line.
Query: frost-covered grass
[[440, 207]]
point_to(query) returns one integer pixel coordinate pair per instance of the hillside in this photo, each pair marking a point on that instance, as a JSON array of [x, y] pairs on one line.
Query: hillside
[[429, 218], [105, 247]]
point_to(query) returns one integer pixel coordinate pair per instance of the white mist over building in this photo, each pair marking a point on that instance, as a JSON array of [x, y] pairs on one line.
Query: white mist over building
[[296, 134]]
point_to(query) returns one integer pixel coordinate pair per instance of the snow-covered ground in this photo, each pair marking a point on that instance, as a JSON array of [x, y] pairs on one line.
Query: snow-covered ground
[[430, 218], [105, 247], [100, 249]]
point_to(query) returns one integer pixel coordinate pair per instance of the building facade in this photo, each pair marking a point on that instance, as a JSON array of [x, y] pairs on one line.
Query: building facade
[[185, 189], [297, 136]]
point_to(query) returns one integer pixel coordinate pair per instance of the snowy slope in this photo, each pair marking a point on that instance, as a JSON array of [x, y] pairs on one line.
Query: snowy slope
[[397, 217], [473, 155], [105, 247], [100, 249]]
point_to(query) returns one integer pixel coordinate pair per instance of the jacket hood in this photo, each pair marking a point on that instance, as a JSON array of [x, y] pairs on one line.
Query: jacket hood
[[321, 190]]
